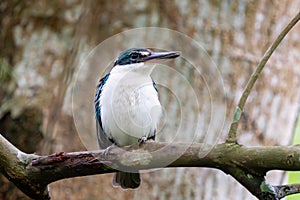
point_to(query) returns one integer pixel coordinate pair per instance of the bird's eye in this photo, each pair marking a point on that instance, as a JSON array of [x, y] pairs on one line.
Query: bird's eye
[[134, 56]]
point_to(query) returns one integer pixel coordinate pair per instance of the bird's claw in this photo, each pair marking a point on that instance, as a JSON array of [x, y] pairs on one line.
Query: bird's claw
[[142, 140], [106, 152]]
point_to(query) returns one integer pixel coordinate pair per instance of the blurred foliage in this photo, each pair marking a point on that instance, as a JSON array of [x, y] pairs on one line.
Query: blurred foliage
[[5, 71], [7, 83], [24, 131], [294, 177]]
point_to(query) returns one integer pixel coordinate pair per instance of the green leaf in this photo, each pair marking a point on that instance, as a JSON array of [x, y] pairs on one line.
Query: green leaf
[[294, 177], [237, 115], [265, 187]]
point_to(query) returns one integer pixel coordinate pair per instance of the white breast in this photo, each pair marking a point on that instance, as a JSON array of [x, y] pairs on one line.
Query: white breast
[[130, 108]]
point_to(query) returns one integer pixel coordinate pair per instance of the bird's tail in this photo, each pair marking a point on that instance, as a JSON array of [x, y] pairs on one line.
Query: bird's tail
[[127, 180]]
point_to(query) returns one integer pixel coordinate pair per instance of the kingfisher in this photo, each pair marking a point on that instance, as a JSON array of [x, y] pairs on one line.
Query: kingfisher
[[127, 107]]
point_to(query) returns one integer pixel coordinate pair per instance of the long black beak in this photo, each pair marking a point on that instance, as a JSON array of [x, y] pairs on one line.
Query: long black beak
[[161, 55]]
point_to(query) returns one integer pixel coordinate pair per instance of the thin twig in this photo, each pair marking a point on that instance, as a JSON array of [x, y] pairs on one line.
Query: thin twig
[[285, 190], [232, 136]]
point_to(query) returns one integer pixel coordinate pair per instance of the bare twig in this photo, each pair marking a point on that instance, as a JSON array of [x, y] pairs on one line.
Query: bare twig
[[232, 136], [285, 190]]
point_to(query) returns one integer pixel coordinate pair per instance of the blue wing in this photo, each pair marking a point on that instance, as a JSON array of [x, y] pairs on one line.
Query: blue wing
[[103, 140], [154, 85], [152, 137]]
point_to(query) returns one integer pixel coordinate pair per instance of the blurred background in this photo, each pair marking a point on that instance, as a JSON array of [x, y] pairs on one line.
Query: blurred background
[[42, 44]]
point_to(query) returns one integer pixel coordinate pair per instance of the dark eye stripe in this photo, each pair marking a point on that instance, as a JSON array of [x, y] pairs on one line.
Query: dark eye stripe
[[134, 55], [131, 56]]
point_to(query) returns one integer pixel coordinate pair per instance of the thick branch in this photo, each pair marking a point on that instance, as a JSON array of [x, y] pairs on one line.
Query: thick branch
[[255, 159], [248, 165], [232, 136], [13, 163]]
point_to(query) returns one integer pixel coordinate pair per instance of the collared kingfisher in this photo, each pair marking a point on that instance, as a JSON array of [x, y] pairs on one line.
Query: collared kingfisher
[[127, 107]]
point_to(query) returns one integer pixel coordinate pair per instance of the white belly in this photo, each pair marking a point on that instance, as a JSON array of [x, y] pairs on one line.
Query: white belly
[[130, 109]]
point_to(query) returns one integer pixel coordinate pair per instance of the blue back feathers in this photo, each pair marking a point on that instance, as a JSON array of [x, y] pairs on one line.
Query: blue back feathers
[[154, 85], [97, 98]]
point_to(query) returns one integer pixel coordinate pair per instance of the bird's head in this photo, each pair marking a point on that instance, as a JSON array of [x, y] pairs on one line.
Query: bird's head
[[135, 59]]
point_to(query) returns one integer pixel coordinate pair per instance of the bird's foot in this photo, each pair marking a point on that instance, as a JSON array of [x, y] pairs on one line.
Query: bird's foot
[[142, 140], [106, 152]]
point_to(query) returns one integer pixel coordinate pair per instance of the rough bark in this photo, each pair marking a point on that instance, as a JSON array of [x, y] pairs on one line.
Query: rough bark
[[248, 165]]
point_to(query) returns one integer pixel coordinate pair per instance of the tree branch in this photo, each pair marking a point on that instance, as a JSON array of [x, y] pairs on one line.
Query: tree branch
[[285, 190], [232, 136], [248, 165], [13, 163]]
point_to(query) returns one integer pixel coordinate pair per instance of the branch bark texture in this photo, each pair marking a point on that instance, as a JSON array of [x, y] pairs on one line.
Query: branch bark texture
[[248, 165]]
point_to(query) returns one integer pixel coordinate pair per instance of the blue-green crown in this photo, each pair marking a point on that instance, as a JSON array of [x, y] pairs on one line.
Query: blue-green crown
[[132, 56], [136, 55]]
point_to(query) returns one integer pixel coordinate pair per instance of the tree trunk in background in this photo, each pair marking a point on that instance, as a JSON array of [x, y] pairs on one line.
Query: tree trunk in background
[[43, 42]]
